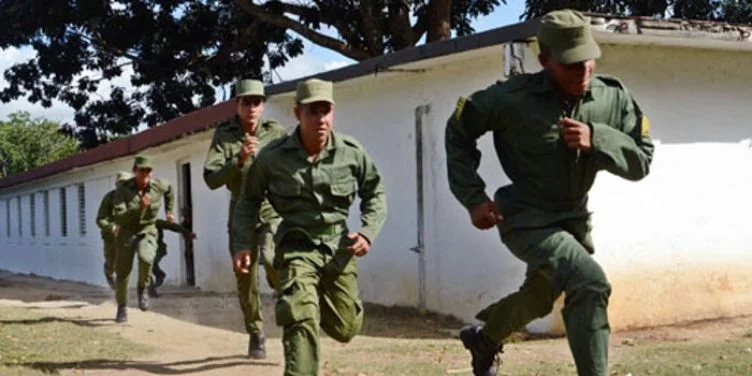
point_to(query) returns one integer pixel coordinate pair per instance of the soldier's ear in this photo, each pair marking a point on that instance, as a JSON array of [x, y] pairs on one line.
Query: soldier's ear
[[297, 112]]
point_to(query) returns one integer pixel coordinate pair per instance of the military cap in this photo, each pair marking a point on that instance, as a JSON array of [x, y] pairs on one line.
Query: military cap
[[314, 90], [123, 176], [143, 161], [249, 87], [568, 35]]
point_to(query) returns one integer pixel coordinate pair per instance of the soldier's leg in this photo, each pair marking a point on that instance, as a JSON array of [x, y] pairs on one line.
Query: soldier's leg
[[297, 310], [146, 246], [254, 318], [109, 257], [557, 261], [158, 256], [266, 252], [109, 262], [341, 307], [243, 283], [123, 267]]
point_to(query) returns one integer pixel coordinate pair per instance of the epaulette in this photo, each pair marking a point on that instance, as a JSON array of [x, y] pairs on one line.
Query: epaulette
[[611, 81], [350, 141], [515, 83]]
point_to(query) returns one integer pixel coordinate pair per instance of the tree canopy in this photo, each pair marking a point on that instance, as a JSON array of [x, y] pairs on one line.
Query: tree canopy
[[160, 59], [27, 143]]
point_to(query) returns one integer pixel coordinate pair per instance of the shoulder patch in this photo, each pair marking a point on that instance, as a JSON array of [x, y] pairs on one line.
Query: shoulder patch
[[644, 126], [459, 107]]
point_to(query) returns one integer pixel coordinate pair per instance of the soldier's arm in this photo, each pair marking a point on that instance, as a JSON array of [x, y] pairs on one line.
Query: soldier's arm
[[174, 227], [372, 199], [218, 170], [120, 205], [627, 151], [471, 119], [169, 197], [104, 214], [267, 213], [247, 208]]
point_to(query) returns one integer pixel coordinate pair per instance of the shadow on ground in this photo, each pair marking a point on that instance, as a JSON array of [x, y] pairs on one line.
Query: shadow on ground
[[156, 368], [219, 310]]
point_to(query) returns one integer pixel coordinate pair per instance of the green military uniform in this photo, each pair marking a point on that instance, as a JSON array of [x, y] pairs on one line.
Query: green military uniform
[[221, 169], [106, 224], [318, 275], [137, 232], [161, 246], [546, 222]]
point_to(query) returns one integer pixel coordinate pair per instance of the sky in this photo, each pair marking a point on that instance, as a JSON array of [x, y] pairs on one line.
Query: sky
[[314, 60]]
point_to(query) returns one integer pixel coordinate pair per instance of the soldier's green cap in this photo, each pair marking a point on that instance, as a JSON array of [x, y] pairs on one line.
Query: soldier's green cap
[[143, 161], [314, 90], [123, 176], [568, 35], [249, 87]]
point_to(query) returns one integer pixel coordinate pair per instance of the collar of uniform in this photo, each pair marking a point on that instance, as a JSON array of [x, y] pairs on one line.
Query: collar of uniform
[[237, 128], [294, 141], [131, 184], [546, 84]]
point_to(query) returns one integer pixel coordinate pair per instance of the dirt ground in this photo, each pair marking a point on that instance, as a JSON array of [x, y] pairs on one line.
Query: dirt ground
[[190, 332]]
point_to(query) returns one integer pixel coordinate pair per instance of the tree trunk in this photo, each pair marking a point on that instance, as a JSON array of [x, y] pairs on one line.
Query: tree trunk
[[439, 20]]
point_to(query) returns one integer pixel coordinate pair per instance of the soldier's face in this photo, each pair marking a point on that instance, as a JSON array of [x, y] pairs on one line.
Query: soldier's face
[[249, 109], [572, 79], [315, 121], [143, 176]]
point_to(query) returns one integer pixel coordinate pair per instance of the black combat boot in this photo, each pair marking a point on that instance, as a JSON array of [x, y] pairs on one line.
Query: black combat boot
[[256, 349], [159, 277], [143, 299], [122, 314], [482, 350]]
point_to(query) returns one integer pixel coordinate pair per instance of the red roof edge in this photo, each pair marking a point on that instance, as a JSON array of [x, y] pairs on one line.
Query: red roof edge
[[185, 125]]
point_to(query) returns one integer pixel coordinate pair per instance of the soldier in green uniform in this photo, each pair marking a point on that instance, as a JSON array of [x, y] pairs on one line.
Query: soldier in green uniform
[[159, 274], [553, 131], [233, 150], [311, 179], [107, 228], [137, 204]]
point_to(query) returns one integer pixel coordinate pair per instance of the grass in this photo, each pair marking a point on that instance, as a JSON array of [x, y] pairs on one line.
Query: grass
[[34, 344], [434, 358]]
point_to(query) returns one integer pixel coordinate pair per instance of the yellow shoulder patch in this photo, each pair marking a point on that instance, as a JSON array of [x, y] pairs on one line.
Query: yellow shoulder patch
[[458, 109], [645, 126]]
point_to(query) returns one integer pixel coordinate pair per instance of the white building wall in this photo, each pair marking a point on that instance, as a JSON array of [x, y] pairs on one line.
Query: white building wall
[[674, 245]]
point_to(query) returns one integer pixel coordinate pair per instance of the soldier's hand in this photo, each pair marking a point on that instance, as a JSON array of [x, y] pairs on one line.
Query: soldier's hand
[[485, 215], [360, 245], [248, 149], [170, 218], [242, 261], [145, 201], [115, 229], [577, 135]]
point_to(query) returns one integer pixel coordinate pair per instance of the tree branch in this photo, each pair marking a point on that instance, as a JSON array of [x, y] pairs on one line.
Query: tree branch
[[320, 39], [371, 28], [400, 31]]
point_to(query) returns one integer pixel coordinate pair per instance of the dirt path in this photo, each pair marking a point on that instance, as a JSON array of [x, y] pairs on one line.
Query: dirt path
[[198, 333]]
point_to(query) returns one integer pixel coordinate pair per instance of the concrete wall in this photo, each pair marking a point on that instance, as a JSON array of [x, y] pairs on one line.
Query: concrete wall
[[674, 245]]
